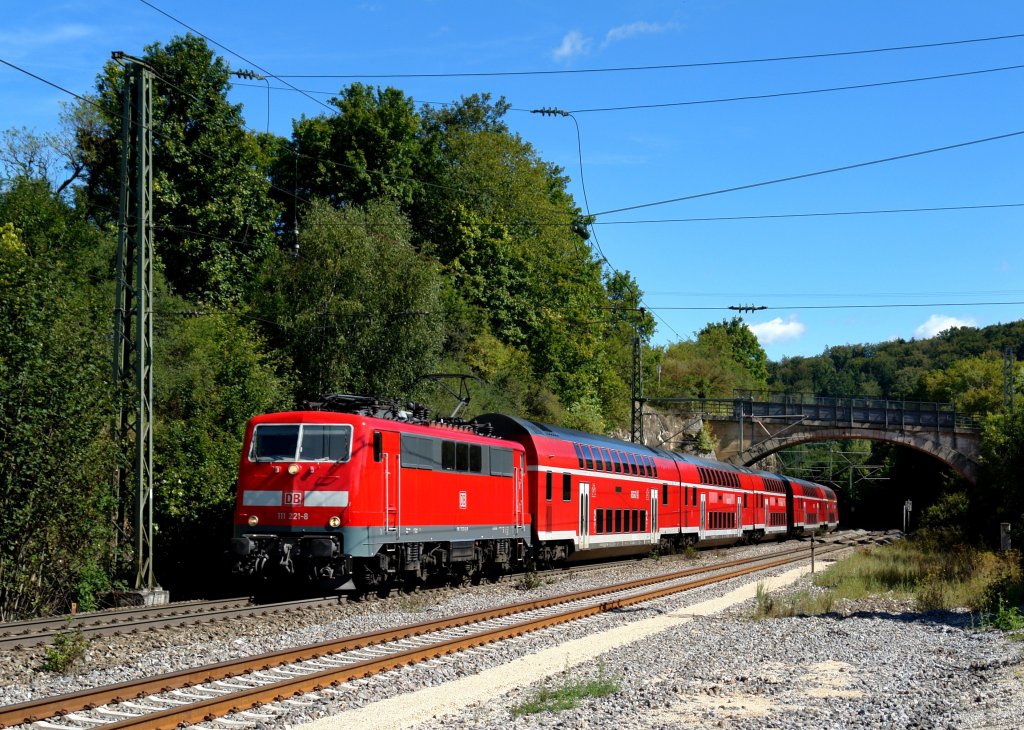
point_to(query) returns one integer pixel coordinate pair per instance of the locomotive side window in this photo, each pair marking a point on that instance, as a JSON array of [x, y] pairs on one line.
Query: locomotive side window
[[461, 457], [476, 458], [378, 446], [448, 455], [547, 486], [567, 487], [501, 462], [274, 443]]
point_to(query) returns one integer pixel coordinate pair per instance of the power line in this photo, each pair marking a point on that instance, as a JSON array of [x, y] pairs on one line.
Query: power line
[[902, 305], [45, 81], [806, 92], [233, 53], [826, 214], [586, 202], [660, 67], [817, 173]]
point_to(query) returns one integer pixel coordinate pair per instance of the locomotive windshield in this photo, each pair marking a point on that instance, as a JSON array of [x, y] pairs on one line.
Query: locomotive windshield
[[301, 442]]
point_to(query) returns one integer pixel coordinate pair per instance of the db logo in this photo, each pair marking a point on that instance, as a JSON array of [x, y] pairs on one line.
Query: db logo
[[293, 499]]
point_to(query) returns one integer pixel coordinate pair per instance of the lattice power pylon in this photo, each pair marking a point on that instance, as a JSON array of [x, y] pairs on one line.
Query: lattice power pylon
[[133, 311]]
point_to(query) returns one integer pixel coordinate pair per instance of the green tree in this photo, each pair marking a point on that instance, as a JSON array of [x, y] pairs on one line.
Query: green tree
[[55, 454], [744, 347], [213, 214], [999, 496], [974, 384], [368, 149], [359, 311]]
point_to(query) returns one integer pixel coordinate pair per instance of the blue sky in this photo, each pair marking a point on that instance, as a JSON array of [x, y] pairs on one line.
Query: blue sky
[[825, 280]]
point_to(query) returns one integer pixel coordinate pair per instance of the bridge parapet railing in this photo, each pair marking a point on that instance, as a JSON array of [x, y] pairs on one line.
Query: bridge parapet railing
[[850, 411]]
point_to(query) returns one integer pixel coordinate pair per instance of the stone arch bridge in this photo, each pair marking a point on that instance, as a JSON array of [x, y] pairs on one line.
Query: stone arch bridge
[[750, 429]]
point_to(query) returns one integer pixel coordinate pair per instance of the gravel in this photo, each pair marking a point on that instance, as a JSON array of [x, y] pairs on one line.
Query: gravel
[[874, 665]]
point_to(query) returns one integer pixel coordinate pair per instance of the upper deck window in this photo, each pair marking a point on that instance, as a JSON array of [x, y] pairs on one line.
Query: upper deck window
[[301, 442]]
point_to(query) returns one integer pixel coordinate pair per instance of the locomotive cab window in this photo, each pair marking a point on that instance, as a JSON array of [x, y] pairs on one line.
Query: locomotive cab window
[[301, 442]]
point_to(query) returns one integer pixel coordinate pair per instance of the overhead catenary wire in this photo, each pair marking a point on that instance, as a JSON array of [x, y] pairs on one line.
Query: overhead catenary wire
[[803, 92], [569, 221], [657, 67], [816, 173]]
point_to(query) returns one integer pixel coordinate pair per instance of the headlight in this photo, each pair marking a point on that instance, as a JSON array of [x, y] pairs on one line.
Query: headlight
[[334, 522], [253, 520], [293, 469]]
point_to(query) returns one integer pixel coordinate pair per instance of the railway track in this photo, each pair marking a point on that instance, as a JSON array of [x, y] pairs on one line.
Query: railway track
[[38, 632], [193, 695], [23, 634]]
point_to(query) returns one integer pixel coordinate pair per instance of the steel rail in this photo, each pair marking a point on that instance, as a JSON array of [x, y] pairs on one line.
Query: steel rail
[[217, 707], [34, 710], [40, 631]]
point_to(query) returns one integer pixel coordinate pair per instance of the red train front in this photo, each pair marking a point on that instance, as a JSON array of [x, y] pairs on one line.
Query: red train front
[[328, 496]]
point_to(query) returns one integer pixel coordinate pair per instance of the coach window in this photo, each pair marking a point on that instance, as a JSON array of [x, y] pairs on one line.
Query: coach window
[[632, 463], [618, 520], [607, 459], [567, 487], [598, 459], [643, 521], [579, 454], [599, 521], [744, 500], [608, 520], [615, 462], [636, 520], [694, 502], [588, 457], [547, 486], [664, 494]]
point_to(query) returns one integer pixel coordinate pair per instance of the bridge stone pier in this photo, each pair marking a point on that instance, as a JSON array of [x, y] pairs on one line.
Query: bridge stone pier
[[750, 429]]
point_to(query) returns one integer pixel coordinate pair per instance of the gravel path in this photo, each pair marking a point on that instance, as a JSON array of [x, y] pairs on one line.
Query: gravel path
[[878, 665]]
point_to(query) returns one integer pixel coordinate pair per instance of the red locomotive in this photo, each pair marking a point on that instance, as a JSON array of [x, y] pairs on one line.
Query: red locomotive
[[380, 496]]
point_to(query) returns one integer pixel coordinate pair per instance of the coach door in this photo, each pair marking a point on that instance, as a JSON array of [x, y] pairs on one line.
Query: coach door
[[653, 522], [391, 457], [584, 531], [703, 514], [518, 475]]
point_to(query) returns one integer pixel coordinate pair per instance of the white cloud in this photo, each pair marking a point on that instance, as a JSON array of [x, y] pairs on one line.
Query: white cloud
[[32, 40], [573, 44], [631, 30], [940, 323], [776, 330]]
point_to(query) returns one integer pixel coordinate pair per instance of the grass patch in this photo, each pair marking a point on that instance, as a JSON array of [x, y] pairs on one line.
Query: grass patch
[[934, 576], [804, 603], [67, 649], [529, 581], [567, 695]]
